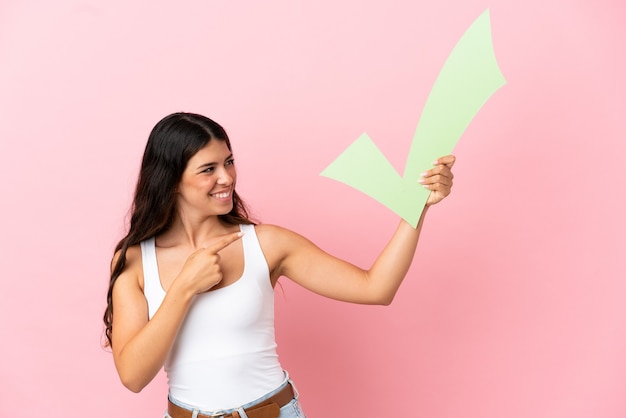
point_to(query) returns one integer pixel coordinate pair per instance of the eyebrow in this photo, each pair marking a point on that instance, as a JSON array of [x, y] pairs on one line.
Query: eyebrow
[[206, 165]]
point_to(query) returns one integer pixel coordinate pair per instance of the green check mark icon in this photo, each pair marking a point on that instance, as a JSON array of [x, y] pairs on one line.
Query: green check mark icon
[[469, 77]]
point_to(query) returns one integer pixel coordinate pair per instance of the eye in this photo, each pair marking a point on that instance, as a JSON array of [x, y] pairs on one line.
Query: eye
[[208, 170], [230, 162]]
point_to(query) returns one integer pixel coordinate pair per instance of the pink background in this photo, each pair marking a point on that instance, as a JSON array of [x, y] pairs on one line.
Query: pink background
[[514, 306]]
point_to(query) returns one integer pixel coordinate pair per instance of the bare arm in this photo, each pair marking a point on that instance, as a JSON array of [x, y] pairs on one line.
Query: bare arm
[[302, 261], [140, 346]]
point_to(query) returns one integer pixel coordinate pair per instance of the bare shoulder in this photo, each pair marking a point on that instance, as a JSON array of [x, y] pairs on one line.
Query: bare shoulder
[[270, 231], [271, 238], [277, 237], [132, 275], [277, 244]]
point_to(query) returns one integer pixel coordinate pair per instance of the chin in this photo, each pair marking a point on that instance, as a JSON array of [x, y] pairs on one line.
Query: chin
[[226, 211]]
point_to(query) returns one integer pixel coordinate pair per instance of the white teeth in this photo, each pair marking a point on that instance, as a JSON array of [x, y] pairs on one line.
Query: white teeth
[[221, 195]]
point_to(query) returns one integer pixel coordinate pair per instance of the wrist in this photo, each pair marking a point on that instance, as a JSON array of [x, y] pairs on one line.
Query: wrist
[[182, 289]]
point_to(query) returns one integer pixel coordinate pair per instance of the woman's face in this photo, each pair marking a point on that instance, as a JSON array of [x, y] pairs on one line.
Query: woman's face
[[207, 185]]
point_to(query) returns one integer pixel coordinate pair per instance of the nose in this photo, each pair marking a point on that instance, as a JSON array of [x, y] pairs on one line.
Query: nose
[[224, 177]]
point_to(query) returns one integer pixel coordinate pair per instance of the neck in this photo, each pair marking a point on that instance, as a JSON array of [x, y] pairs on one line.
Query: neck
[[192, 232]]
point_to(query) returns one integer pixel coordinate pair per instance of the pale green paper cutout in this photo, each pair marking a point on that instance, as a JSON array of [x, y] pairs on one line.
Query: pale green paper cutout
[[467, 80]]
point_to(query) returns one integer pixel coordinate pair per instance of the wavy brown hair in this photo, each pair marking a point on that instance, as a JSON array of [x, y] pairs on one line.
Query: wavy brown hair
[[172, 142]]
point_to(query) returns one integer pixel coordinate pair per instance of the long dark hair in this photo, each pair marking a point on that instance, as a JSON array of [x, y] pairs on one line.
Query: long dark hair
[[172, 142]]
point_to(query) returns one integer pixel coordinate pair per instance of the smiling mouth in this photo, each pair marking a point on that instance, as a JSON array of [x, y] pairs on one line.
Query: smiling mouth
[[221, 195]]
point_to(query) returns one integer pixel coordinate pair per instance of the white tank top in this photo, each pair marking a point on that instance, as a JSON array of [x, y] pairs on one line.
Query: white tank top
[[225, 353]]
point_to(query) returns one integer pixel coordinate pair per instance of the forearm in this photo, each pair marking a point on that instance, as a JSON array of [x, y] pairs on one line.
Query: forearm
[[386, 274]]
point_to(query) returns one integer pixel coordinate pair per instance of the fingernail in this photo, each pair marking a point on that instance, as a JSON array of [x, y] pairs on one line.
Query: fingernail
[[423, 174], [426, 186], [435, 162], [240, 234]]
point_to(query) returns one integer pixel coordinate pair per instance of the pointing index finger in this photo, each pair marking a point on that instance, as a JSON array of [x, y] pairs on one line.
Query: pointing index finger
[[224, 241]]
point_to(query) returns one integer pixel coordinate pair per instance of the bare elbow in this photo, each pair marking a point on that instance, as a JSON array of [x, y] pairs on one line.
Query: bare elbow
[[132, 384], [133, 377], [382, 299], [134, 389], [386, 301], [131, 381]]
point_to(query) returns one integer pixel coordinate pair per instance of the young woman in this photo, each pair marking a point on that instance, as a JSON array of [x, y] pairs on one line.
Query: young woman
[[192, 282]]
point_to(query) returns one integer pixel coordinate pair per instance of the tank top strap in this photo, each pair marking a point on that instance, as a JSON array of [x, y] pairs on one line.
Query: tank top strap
[[254, 258], [152, 288]]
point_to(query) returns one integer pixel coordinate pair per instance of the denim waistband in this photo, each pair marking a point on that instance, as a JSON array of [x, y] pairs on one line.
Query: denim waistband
[[219, 412]]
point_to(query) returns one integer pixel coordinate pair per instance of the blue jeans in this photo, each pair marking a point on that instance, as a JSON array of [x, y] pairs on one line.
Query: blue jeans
[[291, 410]]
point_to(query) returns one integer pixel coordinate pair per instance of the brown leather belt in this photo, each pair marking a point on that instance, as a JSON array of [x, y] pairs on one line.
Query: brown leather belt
[[269, 408]]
